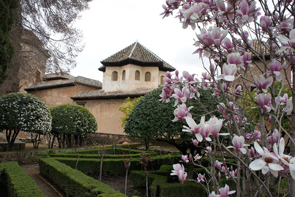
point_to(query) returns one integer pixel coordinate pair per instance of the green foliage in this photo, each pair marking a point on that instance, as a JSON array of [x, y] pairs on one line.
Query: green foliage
[[161, 187], [252, 109], [127, 108], [152, 118], [71, 181], [115, 166], [16, 182], [19, 111], [72, 119], [6, 48]]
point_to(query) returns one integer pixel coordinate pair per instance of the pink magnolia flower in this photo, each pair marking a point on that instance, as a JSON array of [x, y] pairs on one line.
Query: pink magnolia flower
[[288, 41], [280, 152], [267, 162], [201, 178], [215, 125], [289, 107], [239, 144], [265, 22], [218, 165], [193, 128], [246, 60], [184, 158], [234, 58], [165, 95], [181, 112], [275, 69], [180, 96], [263, 83], [224, 192], [217, 35], [274, 138], [178, 170], [257, 134], [187, 76], [229, 71], [197, 157], [264, 101], [227, 44], [205, 129], [195, 142], [239, 89]]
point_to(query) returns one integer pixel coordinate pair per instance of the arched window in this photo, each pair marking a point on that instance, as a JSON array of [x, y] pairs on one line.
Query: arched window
[[114, 76], [123, 75], [137, 75], [147, 76], [162, 80]]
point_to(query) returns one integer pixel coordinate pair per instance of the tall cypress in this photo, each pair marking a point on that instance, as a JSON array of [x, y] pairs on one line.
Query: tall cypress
[[6, 47]]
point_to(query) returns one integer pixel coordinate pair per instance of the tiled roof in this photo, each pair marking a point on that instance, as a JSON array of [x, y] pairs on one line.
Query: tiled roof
[[138, 54], [66, 82], [57, 76], [100, 94]]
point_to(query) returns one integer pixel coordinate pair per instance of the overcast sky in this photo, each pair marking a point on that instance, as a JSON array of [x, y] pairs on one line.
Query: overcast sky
[[109, 26]]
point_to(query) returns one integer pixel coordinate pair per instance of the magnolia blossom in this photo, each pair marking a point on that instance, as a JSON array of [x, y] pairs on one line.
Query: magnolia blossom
[[195, 142], [289, 107], [193, 128], [267, 162], [197, 157], [264, 101], [178, 170], [238, 142], [227, 44], [181, 112], [234, 58], [215, 125], [239, 89], [224, 192], [263, 83], [184, 158], [280, 152], [229, 71], [265, 22], [180, 96], [274, 138], [201, 178], [288, 41], [217, 35], [275, 69]]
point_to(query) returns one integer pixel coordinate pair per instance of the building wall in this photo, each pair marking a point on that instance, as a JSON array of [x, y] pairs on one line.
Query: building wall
[[130, 84], [107, 114], [61, 95], [30, 59], [256, 71]]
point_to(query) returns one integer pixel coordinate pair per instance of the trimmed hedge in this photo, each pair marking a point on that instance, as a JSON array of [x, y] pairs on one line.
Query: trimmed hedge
[[16, 183], [73, 182], [110, 150], [160, 187], [115, 166]]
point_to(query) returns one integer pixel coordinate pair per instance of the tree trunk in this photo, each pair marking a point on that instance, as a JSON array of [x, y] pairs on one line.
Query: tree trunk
[[52, 143], [147, 143]]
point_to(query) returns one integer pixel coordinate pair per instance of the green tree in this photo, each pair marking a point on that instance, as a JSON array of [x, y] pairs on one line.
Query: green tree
[[23, 112], [152, 119], [71, 121], [6, 48], [127, 107]]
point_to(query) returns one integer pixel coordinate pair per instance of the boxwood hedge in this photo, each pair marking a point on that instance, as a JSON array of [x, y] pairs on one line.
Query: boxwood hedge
[[15, 182], [73, 182]]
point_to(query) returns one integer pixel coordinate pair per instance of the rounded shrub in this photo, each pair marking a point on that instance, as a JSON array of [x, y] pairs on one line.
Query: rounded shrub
[[23, 112], [72, 120], [152, 118]]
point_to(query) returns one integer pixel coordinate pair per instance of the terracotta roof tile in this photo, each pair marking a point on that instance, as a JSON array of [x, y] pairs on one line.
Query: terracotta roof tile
[[66, 82], [136, 52], [100, 94]]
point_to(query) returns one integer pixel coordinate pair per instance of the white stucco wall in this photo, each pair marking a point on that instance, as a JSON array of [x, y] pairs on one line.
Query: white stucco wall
[[130, 84]]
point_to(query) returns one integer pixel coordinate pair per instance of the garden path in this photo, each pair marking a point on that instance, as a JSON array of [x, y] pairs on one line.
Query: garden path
[[32, 171]]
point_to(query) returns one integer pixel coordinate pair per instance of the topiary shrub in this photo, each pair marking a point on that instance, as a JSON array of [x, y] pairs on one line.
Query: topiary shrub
[[23, 112], [71, 121], [152, 119]]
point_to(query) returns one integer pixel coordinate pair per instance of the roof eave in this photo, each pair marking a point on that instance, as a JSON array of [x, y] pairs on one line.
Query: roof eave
[[49, 87]]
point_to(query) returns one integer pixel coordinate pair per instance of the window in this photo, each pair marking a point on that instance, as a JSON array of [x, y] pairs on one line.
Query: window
[[137, 75], [123, 75], [147, 76], [162, 80], [81, 103], [114, 76]]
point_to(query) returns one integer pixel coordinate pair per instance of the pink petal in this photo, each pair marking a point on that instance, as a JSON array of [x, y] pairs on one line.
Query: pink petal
[[275, 166], [258, 148], [265, 169]]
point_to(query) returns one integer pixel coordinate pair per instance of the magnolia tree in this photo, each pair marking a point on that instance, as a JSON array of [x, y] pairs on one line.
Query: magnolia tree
[[253, 42], [23, 112]]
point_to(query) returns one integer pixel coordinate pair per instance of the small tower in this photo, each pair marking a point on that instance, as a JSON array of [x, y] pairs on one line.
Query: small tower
[[133, 68]]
